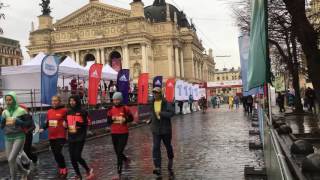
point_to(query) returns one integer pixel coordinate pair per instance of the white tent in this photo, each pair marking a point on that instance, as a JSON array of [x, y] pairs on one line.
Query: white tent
[[36, 61], [70, 68], [108, 73]]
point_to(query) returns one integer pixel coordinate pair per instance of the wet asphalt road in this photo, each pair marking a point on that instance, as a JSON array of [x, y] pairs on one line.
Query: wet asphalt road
[[211, 146]]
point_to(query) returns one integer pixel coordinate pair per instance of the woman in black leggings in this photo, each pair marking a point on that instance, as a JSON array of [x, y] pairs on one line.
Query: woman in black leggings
[[77, 122]]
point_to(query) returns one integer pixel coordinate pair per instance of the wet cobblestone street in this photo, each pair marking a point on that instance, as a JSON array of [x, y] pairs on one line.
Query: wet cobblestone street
[[211, 146]]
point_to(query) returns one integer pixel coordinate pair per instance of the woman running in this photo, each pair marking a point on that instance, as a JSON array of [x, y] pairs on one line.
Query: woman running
[[119, 116], [13, 121], [56, 118], [77, 122]]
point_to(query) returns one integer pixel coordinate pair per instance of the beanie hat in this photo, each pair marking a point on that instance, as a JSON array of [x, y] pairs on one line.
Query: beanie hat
[[117, 95]]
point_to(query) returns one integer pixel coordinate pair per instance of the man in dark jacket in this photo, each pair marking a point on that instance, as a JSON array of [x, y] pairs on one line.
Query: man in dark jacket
[[161, 130]]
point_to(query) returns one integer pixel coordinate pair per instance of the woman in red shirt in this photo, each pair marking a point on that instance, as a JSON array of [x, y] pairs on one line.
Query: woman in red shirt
[[119, 116], [56, 118]]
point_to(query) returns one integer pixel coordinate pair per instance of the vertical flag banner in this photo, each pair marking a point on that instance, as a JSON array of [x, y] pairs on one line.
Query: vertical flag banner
[[157, 81], [257, 67], [94, 81], [143, 87], [123, 84], [170, 87], [49, 78], [195, 93], [185, 91], [179, 90]]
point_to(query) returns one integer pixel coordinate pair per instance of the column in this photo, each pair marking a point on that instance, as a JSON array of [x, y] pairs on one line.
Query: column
[[73, 55], [196, 69], [78, 57], [170, 55], [176, 60], [144, 58], [103, 56], [181, 63], [98, 57], [125, 58]]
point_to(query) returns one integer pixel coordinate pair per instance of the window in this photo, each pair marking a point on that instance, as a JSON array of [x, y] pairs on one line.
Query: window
[[6, 61], [223, 78], [227, 78], [218, 78]]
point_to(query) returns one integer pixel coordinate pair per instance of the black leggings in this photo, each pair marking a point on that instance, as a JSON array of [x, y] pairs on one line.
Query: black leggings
[[75, 150], [56, 147], [119, 143], [28, 148]]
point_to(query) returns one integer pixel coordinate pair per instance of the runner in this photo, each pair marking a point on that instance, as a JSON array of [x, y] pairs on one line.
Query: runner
[[161, 131], [77, 122], [13, 121], [119, 116], [56, 118]]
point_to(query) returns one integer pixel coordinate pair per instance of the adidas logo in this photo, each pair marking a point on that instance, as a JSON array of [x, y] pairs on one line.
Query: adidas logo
[[95, 74], [123, 78], [158, 83]]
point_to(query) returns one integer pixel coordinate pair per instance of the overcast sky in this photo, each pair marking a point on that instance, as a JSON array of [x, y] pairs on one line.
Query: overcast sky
[[213, 19]]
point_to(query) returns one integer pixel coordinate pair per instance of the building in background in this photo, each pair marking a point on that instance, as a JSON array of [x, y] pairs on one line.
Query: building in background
[[156, 39], [10, 52], [226, 82]]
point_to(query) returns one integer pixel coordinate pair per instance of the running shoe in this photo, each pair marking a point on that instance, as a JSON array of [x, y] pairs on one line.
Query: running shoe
[[90, 174]]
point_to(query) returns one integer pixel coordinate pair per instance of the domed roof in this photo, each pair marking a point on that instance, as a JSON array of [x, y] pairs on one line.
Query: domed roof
[[158, 13]]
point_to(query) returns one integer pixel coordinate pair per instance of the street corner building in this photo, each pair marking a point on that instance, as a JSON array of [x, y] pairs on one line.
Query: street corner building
[[10, 52], [156, 39]]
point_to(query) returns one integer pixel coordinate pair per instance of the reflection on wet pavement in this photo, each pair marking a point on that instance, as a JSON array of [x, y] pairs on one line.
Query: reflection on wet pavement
[[207, 146]]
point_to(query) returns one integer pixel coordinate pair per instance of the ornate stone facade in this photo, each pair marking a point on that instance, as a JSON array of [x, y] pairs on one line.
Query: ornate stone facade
[[10, 52], [142, 43]]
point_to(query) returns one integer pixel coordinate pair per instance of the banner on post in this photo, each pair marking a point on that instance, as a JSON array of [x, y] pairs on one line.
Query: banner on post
[[123, 84], [143, 87], [94, 81], [179, 91], [49, 78], [170, 90], [157, 81]]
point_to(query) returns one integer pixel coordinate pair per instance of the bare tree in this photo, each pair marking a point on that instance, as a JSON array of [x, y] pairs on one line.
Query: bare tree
[[281, 38], [308, 37]]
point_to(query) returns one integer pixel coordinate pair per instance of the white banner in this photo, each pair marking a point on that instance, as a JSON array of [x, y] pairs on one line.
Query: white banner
[[185, 91], [179, 93], [195, 93], [202, 92], [234, 83]]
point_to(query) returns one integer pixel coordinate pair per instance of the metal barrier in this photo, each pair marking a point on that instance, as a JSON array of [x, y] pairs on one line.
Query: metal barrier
[[275, 161]]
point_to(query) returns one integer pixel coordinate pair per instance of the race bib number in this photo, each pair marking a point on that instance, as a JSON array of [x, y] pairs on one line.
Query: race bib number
[[10, 121], [72, 129], [53, 123]]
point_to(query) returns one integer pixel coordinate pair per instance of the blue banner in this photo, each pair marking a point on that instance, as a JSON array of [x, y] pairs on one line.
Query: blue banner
[[123, 84], [157, 81], [49, 78]]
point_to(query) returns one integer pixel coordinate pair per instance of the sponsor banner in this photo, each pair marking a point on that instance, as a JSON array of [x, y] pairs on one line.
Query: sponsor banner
[[170, 90], [144, 112], [94, 81], [179, 93], [49, 78], [222, 84], [157, 81], [143, 88], [123, 84]]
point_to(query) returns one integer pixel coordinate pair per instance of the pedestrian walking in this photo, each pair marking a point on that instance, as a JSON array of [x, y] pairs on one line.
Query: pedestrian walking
[[218, 101], [203, 104], [13, 120], [56, 126], [77, 123], [310, 97], [191, 102], [230, 102], [280, 102], [119, 116], [236, 101], [27, 148], [244, 103], [249, 102], [161, 131], [214, 101]]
